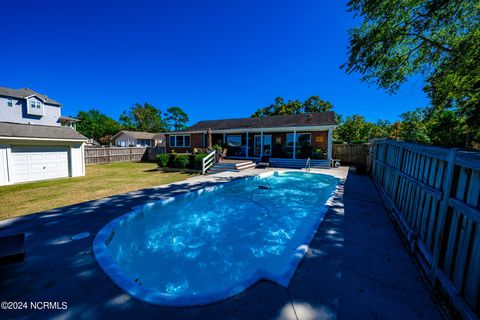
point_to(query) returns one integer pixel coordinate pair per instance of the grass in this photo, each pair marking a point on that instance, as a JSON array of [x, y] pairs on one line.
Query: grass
[[100, 181]]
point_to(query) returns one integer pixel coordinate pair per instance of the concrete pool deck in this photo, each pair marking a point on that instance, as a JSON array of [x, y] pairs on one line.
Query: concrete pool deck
[[356, 266]]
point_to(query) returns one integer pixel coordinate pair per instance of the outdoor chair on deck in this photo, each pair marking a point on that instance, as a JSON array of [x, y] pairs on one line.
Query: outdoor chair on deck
[[264, 162], [221, 155]]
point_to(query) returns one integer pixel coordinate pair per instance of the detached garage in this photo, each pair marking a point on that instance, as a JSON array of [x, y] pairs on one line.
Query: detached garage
[[35, 152]]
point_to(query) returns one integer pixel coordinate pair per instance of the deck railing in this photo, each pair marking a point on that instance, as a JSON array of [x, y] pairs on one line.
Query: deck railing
[[208, 161], [434, 196]]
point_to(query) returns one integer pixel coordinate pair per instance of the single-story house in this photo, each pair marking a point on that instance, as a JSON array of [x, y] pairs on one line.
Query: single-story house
[[298, 136], [126, 138], [38, 152]]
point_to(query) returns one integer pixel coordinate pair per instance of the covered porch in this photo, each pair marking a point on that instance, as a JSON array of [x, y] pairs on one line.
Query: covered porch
[[291, 143]]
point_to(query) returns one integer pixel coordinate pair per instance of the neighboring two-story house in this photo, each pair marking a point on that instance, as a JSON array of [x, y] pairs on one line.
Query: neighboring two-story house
[[36, 142]]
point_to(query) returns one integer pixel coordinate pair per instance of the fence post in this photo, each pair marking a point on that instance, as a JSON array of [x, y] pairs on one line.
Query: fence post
[[109, 155], [131, 155], [442, 215]]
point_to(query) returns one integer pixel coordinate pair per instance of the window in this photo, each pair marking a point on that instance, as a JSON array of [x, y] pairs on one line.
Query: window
[[10, 102], [34, 104], [234, 140], [302, 145], [144, 142], [267, 145], [180, 141]]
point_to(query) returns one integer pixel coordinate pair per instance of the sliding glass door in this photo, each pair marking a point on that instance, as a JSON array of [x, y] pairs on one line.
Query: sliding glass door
[[267, 145]]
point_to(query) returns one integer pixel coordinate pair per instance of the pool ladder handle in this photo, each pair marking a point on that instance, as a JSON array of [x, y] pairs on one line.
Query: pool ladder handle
[[308, 165]]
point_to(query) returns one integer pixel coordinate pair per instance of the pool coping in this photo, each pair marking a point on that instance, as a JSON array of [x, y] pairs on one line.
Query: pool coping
[[120, 278]]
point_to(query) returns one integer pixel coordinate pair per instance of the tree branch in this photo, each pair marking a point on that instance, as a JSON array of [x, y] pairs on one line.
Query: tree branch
[[430, 41]]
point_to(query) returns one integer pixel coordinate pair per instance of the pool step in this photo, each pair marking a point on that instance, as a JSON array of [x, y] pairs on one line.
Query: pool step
[[299, 163], [231, 166]]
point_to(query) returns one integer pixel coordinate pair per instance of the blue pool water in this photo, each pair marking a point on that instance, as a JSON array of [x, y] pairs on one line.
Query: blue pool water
[[215, 243]]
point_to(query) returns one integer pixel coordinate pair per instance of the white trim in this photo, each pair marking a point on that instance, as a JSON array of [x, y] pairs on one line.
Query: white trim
[[329, 144], [294, 154], [272, 129], [35, 95], [42, 139], [261, 144], [246, 149], [277, 129]]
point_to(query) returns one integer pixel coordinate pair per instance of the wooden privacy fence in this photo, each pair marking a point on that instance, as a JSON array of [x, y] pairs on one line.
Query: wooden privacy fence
[[350, 153], [434, 195], [113, 154]]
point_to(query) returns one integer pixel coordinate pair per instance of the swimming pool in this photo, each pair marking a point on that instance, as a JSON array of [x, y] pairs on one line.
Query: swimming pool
[[208, 245]]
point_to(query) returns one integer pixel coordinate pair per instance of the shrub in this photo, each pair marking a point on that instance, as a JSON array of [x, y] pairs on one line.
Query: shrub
[[358, 141], [162, 160], [198, 160], [217, 147], [338, 141], [181, 161]]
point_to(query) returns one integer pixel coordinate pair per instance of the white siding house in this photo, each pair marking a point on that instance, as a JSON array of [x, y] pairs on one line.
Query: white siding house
[[33, 143], [126, 138]]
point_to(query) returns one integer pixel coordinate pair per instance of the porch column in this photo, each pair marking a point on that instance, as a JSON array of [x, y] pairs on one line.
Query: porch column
[[294, 156], [330, 139], [261, 144], [224, 141], [246, 150]]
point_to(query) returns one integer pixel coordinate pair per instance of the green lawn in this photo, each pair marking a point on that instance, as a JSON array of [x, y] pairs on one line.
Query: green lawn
[[100, 181]]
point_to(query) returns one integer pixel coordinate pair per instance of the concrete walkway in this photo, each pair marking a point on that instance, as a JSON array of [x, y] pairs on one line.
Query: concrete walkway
[[356, 267]]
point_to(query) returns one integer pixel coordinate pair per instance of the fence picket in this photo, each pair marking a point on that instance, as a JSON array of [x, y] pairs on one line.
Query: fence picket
[[437, 192]]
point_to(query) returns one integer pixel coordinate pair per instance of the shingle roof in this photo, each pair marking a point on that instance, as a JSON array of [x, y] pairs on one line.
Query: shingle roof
[[26, 92], [293, 120], [19, 130], [68, 118], [141, 135]]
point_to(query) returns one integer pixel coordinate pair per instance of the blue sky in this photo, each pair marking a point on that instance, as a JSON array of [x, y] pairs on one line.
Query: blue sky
[[215, 59]]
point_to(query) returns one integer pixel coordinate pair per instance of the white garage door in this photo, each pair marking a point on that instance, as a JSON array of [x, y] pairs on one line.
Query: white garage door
[[38, 163]]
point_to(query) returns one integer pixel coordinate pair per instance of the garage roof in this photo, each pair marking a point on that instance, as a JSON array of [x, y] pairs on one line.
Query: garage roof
[[18, 130]]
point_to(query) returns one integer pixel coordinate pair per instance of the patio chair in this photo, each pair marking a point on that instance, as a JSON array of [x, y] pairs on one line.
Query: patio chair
[[221, 155], [264, 162]]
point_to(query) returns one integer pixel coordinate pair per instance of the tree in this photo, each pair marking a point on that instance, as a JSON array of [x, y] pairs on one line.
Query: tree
[[176, 118], [395, 130], [380, 129], [279, 107], [354, 129], [96, 125], [144, 117], [413, 126], [445, 127], [437, 39]]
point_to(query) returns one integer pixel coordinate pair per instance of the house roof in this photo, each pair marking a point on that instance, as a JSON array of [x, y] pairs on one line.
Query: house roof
[[19, 130], [25, 93], [68, 118], [293, 120], [141, 135]]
